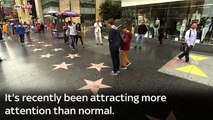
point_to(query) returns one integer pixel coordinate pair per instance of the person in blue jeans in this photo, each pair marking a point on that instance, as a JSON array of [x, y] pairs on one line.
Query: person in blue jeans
[[190, 39], [21, 31], [142, 29]]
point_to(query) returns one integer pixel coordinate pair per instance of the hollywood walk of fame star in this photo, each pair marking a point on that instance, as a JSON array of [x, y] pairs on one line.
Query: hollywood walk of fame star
[[46, 56], [72, 56], [63, 65], [36, 49], [30, 45], [47, 45], [98, 67], [94, 86], [40, 42], [57, 49], [171, 116]]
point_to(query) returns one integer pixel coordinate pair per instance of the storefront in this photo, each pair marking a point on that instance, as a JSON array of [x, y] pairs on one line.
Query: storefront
[[175, 15]]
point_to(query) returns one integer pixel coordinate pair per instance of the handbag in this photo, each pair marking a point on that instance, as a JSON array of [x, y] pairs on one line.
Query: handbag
[[183, 47]]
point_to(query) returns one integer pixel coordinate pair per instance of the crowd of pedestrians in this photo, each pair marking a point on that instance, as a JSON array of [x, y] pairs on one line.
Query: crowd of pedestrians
[[72, 32], [118, 45]]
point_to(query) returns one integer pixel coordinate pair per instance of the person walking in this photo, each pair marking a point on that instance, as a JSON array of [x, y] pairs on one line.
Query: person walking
[[115, 41], [98, 35], [65, 27], [126, 46], [38, 28], [1, 35], [190, 39], [27, 31], [21, 31], [161, 32], [71, 32], [9, 29], [79, 35], [15, 26], [4, 28], [48, 27], [142, 29], [42, 28]]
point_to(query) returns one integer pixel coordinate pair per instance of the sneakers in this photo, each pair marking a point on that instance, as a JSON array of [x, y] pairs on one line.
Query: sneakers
[[140, 47], [135, 47], [123, 67], [2, 40], [128, 64], [96, 43], [114, 73], [188, 62], [102, 44], [178, 58]]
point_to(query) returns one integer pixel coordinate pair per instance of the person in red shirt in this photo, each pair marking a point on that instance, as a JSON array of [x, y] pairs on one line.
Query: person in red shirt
[[38, 27], [48, 26], [126, 46]]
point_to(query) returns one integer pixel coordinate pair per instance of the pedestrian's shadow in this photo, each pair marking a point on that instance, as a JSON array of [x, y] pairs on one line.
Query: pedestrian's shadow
[[25, 54]]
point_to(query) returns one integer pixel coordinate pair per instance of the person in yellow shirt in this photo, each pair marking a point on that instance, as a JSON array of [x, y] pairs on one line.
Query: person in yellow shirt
[[4, 27]]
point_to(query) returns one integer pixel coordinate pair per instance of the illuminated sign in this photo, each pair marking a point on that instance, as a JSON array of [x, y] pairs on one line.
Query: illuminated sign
[[23, 6]]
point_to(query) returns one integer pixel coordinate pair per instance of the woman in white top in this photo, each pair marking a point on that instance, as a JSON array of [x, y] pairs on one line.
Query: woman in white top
[[71, 33], [98, 26]]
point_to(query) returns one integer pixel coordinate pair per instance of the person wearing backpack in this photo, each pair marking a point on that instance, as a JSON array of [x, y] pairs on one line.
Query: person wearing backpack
[[142, 29], [190, 39]]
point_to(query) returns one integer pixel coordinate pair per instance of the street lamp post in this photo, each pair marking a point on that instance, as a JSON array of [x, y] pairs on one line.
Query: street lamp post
[[70, 8]]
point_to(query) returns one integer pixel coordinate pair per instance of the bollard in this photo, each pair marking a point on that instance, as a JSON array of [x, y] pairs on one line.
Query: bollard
[[85, 29]]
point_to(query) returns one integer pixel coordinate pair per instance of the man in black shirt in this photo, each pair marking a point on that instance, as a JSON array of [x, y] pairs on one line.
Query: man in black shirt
[[115, 41], [142, 29]]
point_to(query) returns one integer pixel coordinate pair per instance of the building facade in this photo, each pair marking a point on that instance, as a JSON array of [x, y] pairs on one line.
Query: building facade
[[89, 9], [23, 8], [175, 15], [49, 7], [6, 8]]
